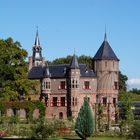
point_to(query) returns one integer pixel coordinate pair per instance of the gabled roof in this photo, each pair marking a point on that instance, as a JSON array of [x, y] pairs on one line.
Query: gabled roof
[[105, 52], [74, 63], [58, 71]]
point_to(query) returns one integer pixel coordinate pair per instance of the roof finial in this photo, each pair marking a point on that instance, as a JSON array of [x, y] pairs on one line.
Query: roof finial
[[105, 36]]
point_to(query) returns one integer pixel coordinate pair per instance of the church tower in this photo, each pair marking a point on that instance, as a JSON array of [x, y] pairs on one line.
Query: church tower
[[106, 67], [73, 88], [36, 58]]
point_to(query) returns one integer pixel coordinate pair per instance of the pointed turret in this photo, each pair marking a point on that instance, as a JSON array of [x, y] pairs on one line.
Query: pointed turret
[[105, 52], [46, 71], [37, 42], [74, 63]]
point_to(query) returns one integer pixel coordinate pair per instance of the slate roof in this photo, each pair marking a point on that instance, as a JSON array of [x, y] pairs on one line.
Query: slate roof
[[105, 52], [58, 71], [74, 63]]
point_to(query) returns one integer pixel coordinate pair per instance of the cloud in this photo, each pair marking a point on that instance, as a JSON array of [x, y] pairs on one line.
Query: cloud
[[133, 81]]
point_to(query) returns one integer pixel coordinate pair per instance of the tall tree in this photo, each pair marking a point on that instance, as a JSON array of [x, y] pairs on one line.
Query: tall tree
[[127, 116], [85, 124], [122, 81], [13, 70]]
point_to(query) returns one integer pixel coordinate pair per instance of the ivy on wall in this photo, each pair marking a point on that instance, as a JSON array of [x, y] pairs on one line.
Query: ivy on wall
[[29, 107]]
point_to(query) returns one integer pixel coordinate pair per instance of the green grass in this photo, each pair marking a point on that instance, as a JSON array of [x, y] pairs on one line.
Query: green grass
[[93, 138]]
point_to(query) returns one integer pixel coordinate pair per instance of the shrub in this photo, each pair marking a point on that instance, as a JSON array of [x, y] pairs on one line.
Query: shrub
[[84, 126], [136, 129]]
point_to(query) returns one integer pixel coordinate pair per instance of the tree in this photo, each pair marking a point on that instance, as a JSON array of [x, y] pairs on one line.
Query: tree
[[13, 71], [127, 117], [66, 60], [85, 125], [122, 81]]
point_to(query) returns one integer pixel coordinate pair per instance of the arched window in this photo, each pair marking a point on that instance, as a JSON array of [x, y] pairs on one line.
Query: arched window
[[61, 115]]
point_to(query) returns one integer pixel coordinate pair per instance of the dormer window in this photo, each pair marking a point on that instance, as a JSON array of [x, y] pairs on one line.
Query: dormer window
[[65, 70]]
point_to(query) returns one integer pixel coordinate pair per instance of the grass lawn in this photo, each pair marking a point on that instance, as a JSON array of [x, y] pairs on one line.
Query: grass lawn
[[93, 138]]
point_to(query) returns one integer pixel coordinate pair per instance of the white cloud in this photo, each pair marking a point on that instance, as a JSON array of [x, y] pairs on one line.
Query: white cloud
[[133, 81]]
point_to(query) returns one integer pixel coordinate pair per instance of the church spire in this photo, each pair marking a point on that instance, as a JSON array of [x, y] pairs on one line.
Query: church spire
[[37, 42], [37, 51]]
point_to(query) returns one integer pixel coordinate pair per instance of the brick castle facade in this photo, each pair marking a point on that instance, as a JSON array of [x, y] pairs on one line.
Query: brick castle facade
[[63, 86]]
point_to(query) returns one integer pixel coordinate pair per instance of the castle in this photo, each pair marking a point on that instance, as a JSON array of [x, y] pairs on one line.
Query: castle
[[63, 86]]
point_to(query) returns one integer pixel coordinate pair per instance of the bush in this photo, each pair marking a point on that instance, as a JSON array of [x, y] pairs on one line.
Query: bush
[[42, 130], [136, 129]]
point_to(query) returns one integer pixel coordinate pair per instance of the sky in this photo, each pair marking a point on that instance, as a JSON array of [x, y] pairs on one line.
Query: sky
[[68, 25]]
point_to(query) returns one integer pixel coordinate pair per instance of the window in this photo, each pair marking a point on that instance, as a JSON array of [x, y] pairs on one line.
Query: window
[[115, 85], [73, 83], [104, 101], [76, 101], [46, 101], [47, 85], [105, 64], [73, 101], [63, 85], [86, 84], [113, 64], [62, 101], [114, 101], [54, 101], [61, 115]]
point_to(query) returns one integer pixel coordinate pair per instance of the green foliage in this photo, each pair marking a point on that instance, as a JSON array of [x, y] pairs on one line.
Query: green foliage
[[29, 106], [122, 81], [136, 129], [135, 91], [84, 126], [66, 60], [13, 71], [42, 130], [128, 117]]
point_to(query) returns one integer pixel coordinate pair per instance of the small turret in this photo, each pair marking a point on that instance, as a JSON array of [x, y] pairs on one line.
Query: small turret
[[74, 63], [46, 83], [73, 91]]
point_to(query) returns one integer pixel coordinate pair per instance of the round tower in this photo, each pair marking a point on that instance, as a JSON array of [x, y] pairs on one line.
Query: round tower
[[106, 67]]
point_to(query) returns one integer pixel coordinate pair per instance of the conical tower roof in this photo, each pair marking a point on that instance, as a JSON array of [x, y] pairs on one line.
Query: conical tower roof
[[105, 51], [74, 63]]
